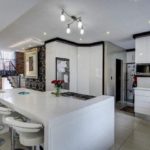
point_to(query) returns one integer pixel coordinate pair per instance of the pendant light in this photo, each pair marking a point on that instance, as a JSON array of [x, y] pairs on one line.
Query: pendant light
[[71, 19], [82, 31], [68, 30], [62, 17], [80, 24]]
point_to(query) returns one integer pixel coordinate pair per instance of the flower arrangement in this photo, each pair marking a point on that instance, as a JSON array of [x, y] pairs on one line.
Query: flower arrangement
[[58, 86]]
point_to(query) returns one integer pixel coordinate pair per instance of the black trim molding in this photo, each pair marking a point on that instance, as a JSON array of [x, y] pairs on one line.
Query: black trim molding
[[130, 50], [143, 34], [74, 43]]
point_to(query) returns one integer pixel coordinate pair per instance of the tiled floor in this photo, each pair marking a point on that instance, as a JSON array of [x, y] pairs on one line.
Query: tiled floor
[[132, 133]]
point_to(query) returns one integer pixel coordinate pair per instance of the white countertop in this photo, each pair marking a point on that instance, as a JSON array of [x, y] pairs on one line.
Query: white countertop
[[142, 88], [43, 106]]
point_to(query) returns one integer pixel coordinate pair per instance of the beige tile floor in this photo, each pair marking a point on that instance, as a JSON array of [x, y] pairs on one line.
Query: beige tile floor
[[131, 133], [7, 145]]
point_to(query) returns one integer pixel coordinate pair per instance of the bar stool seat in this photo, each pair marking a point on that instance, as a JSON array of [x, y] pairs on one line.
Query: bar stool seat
[[31, 139], [3, 128], [30, 134]]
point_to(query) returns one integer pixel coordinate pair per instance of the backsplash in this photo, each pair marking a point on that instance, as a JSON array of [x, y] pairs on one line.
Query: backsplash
[[38, 84]]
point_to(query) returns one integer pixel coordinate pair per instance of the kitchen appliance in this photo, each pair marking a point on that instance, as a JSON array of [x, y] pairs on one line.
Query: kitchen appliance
[[77, 95], [143, 69]]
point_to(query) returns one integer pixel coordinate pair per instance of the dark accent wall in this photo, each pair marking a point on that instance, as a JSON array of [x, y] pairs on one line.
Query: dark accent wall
[[20, 62], [38, 84]]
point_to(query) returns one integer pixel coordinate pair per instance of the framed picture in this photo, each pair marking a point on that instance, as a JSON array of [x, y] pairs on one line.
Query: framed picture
[[63, 71], [31, 63]]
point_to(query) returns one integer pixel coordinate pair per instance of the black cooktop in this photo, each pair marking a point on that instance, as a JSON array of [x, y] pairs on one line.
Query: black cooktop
[[77, 95]]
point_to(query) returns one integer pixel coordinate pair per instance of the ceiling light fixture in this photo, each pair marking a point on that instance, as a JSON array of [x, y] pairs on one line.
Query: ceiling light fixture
[[80, 24], [62, 17], [73, 19], [68, 30], [82, 31], [107, 32], [44, 33]]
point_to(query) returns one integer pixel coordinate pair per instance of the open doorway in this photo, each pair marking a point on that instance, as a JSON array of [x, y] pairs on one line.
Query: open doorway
[[119, 63]]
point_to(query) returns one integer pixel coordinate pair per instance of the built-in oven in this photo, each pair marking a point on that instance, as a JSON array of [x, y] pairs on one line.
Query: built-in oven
[[143, 69]]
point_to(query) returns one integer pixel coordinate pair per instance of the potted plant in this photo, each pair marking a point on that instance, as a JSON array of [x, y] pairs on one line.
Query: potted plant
[[58, 86]]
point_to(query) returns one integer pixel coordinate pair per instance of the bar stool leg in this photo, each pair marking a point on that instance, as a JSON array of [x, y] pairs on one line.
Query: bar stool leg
[[33, 148], [12, 139]]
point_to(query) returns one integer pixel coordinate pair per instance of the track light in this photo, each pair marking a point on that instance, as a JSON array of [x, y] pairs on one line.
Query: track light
[[73, 19], [80, 24], [68, 29], [82, 31], [62, 17]]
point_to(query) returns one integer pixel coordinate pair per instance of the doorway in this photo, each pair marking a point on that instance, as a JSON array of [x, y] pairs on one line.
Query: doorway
[[118, 79]]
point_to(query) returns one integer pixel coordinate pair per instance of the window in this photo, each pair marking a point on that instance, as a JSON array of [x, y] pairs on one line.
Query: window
[[5, 58]]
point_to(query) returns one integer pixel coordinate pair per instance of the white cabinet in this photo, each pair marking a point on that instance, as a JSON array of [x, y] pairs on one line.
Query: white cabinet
[[130, 57], [90, 67], [83, 72], [142, 54], [142, 101]]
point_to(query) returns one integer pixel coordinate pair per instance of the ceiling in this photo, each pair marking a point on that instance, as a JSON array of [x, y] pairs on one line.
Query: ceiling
[[30, 18]]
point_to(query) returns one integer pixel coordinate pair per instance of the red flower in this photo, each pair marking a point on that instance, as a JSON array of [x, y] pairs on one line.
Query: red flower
[[58, 83]]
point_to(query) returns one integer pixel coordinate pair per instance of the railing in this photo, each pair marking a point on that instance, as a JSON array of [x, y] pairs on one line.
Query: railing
[[12, 67], [8, 69]]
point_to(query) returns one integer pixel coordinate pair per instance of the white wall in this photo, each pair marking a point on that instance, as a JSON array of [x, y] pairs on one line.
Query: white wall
[[56, 49], [113, 52], [85, 67]]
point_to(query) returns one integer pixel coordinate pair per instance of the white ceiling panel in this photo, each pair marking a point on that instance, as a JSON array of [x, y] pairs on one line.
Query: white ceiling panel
[[122, 18]]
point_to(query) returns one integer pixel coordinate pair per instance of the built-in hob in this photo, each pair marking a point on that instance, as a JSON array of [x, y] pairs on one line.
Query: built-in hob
[[77, 95]]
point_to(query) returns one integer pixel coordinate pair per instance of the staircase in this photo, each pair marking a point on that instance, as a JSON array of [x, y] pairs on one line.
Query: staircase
[[9, 71]]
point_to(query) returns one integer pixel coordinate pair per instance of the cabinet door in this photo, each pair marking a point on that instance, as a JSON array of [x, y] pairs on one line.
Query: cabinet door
[[83, 70], [142, 50], [130, 57]]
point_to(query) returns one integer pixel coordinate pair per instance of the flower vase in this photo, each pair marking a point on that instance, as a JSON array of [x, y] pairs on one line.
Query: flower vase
[[58, 89]]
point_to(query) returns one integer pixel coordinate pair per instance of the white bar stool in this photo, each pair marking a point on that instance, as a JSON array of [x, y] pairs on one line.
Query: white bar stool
[[3, 128], [30, 134]]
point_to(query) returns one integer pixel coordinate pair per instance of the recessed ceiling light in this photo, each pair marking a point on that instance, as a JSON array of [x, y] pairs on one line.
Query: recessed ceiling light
[[107, 32], [44, 33], [141, 54]]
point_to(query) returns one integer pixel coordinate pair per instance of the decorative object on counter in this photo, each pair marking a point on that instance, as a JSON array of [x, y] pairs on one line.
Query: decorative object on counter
[[23, 93], [58, 86]]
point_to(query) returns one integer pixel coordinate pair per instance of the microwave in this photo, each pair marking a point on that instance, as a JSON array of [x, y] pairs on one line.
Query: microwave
[[143, 69]]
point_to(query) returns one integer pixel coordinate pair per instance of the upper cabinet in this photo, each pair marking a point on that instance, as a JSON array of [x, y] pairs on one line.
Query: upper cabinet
[[142, 53], [131, 57]]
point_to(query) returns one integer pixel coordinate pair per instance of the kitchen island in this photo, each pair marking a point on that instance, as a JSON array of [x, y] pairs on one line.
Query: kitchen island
[[69, 123]]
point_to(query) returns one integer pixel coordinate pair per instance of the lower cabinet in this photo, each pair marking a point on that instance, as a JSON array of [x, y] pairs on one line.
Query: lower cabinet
[[142, 102]]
